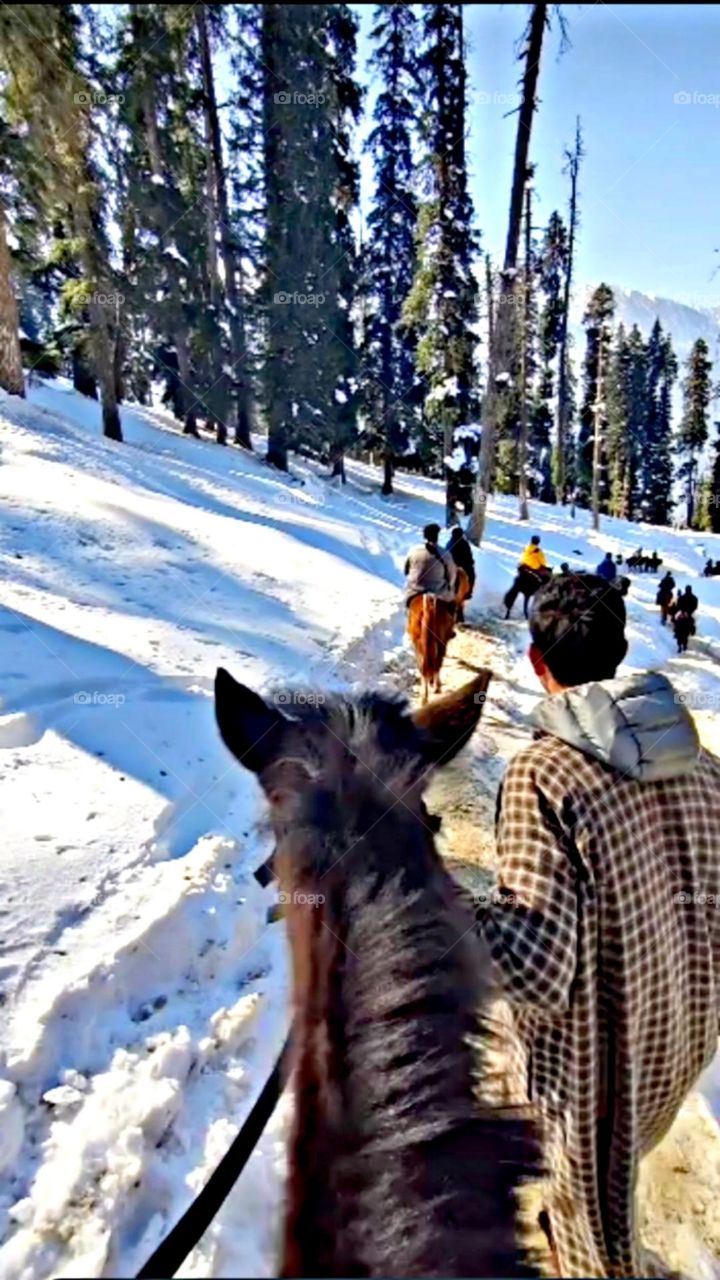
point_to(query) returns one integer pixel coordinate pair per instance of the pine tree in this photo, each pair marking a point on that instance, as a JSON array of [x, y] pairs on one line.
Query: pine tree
[[48, 95], [627, 417], [166, 232], [246, 176], [390, 382], [551, 271], [441, 310], [565, 460], [310, 185], [228, 298], [693, 430], [590, 467], [656, 466]]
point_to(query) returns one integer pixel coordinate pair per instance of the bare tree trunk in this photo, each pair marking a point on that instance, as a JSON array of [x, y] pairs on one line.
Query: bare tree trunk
[[211, 147], [597, 437], [490, 302], [220, 216], [501, 348], [563, 405], [102, 336], [11, 370], [387, 486], [524, 423]]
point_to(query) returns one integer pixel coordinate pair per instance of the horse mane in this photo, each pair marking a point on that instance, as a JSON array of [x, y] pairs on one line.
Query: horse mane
[[397, 1167]]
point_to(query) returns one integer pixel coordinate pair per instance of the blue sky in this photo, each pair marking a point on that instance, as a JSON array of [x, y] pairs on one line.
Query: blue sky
[[650, 181]]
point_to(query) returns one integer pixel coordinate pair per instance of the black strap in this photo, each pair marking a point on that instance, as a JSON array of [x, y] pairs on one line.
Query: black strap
[[193, 1224]]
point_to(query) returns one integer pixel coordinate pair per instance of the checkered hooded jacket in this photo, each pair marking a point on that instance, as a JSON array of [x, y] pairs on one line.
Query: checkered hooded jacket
[[605, 933]]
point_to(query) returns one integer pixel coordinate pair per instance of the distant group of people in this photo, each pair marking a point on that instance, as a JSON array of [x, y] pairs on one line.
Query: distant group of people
[[679, 609], [431, 568], [712, 569]]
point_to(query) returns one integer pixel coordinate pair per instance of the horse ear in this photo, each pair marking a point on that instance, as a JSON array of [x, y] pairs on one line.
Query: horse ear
[[447, 723], [248, 726]]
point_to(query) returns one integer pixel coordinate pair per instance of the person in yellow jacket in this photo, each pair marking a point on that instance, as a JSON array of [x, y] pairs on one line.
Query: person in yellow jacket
[[533, 557]]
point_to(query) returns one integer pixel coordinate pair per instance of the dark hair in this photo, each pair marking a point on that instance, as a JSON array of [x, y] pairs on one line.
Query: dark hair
[[578, 625], [535, 539], [431, 532], [456, 534]]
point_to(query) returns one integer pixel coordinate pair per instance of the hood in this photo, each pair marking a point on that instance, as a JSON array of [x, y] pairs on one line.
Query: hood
[[636, 724]]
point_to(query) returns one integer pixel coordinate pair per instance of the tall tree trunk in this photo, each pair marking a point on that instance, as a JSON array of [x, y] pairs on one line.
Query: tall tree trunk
[[104, 361], [212, 147], [690, 492], [186, 408], [502, 345], [490, 302], [102, 338], [524, 356], [220, 214], [563, 402], [597, 436], [387, 485], [84, 379], [11, 370]]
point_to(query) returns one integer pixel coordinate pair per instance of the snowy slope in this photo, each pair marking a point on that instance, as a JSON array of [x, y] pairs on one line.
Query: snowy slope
[[145, 994]]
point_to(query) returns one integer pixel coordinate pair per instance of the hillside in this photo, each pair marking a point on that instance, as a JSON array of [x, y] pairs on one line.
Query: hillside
[[145, 993]]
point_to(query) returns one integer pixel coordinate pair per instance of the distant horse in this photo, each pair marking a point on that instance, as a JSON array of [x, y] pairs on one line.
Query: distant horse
[[399, 1165], [526, 583], [431, 625]]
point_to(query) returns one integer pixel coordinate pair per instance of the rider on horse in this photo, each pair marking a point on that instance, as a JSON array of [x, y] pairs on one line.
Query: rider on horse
[[429, 569]]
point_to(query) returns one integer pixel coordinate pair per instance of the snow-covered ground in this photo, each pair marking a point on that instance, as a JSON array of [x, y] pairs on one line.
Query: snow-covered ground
[[144, 992]]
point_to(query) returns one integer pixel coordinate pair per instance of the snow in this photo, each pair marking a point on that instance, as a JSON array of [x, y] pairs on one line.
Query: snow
[[172, 251], [157, 180], [447, 389], [145, 993]]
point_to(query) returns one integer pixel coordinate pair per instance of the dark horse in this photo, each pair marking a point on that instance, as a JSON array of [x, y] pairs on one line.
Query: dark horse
[[397, 1167], [526, 583]]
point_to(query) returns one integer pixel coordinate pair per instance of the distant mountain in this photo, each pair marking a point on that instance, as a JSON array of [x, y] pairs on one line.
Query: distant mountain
[[686, 324]]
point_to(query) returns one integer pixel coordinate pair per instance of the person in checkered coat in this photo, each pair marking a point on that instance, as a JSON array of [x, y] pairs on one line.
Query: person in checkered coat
[[604, 928]]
